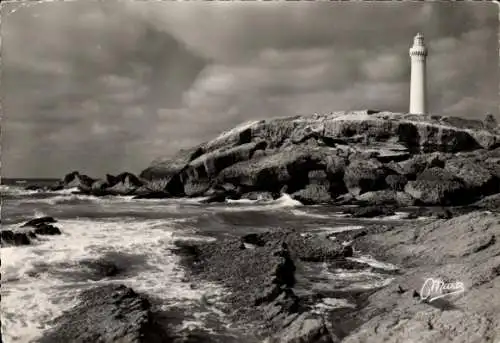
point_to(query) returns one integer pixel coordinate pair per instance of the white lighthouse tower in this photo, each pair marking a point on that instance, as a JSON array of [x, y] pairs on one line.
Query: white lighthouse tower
[[418, 87]]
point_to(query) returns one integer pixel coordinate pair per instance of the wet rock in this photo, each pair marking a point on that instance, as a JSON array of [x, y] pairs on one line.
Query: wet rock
[[491, 203], [313, 194], [211, 163], [463, 249], [196, 188], [42, 226], [39, 221], [108, 314], [77, 180], [306, 328], [122, 184], [14, 238], [260, 277], [386, 197], [348, 251], [436, 186], [364, 175], [370, 211], [168, 167], [271, 173], [56, 187], [46, 229], [305, 247], [477, 178], [417, 164]]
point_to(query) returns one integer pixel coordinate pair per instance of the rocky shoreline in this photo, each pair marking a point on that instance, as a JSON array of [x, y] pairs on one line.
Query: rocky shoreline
[[382, 162], [266, 300], [344, 158]]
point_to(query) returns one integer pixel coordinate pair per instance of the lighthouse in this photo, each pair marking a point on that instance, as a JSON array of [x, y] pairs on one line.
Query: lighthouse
[[418, 87]]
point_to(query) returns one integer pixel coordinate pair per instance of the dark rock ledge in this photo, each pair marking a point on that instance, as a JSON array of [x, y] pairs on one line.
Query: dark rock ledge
[[259, 270], [41, 227], [109, 314]]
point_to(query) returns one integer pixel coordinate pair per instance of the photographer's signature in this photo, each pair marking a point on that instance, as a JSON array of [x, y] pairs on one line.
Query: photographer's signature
[[433, 289]]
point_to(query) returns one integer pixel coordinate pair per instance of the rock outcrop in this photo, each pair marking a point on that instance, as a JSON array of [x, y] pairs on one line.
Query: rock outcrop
[[319, 158], [77, 180], [108, 314], [122, 184], [24, 235], [259, 269], [463, 249]]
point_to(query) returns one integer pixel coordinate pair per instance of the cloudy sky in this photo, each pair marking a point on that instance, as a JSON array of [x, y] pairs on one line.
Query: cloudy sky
[[108, 87]]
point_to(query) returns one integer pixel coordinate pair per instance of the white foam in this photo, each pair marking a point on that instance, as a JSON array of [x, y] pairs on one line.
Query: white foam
[[356, 279], [65, 191], [337, 229], [332, 303], [29, 301], [283, 202], [241, 201], [395, 216], [369, 260], [13, 190], [310, 215]]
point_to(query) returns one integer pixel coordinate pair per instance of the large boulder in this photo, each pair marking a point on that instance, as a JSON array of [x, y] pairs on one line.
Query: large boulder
[[370, 211], [417, 164], [364, 175], [210, 164], [258, 196], [39, 221], [42, 226], [272, 172], [305, 328], [306, 248], [436, 186], [477, 177], [313, 194], [386, 197], [77, 180], [166, 168], [122, 184], [108, 314], [9, 237]]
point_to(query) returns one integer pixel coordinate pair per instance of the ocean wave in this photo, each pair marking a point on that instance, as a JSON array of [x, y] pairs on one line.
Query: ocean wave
[[64, 191], [9, 190], [33, 291], [312, 215]]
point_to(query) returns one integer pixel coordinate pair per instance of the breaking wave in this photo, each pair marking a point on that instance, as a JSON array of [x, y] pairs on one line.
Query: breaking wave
[[39, 281]]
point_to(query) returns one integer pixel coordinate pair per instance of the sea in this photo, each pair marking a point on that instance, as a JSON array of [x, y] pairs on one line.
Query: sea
[[40, 281]]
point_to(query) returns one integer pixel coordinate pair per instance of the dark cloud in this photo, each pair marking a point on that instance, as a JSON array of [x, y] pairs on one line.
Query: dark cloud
[[106, 87]]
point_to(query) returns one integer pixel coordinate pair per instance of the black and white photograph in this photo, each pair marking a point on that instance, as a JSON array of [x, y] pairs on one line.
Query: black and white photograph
[[250, 171]]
